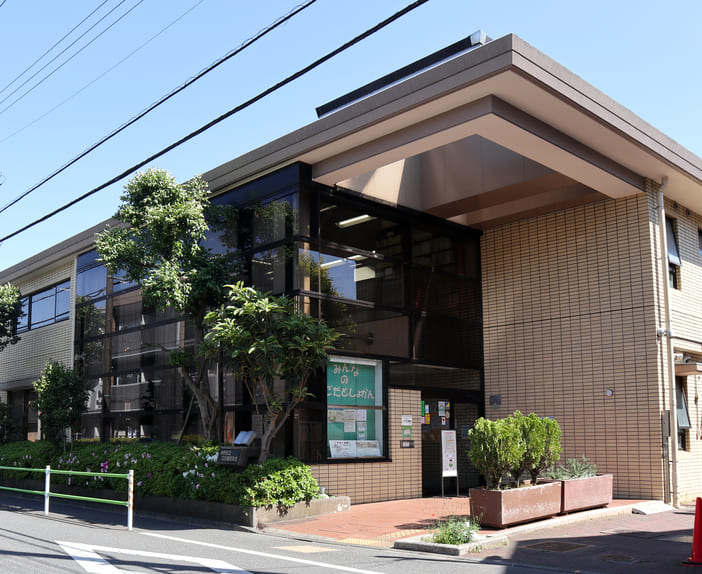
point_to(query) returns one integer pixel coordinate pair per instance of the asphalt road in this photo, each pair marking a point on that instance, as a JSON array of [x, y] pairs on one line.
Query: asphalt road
[[78, 538]]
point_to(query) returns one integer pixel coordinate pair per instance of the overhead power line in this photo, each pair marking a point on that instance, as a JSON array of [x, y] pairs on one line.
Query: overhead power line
[[224, 116], [52, 47], [103, 74], [156, 104], [7, 107]]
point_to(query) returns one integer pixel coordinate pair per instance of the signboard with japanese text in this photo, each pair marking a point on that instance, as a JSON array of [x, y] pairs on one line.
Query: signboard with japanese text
[[449, 453], [351, 384], [354, 407]]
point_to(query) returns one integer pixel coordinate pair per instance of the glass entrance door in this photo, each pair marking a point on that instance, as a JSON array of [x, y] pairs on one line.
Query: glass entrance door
[[442, 413]]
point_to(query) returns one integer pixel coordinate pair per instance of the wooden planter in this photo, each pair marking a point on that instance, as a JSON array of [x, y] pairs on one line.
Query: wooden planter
[[501, 508], [584, 493]]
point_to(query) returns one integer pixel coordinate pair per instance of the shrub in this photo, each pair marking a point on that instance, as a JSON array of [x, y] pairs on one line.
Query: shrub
[[496, 447], [278, 481], [165, 469], [542, 441], [515, 444], [551, 451]]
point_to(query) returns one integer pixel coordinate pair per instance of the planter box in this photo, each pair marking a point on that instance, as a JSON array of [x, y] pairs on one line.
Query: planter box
[[583, 493], [501, 508], [244, 515]]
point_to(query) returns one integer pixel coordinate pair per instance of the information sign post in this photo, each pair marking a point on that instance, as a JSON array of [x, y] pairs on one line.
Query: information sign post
[[449, 464]]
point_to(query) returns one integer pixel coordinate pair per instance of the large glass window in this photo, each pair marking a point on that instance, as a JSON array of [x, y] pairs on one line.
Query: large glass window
[[352, 276], [355, 410], [45, 307]]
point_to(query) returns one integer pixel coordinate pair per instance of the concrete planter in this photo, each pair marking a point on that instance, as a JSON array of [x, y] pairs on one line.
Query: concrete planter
[[501, 508], [244, 515], [583, 493]]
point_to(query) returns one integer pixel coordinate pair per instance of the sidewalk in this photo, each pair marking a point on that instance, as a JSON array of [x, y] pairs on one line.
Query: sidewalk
[[611, 540]]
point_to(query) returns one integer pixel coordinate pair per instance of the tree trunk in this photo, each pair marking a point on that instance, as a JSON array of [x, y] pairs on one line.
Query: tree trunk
[[269, 432]]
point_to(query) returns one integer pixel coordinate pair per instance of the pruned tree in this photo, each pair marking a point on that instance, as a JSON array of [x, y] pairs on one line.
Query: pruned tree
[[274, 349], [10, 313], [62, 395], [159, 245]]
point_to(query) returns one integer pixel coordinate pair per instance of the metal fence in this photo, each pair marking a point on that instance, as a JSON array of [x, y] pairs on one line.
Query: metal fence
[[129, 503]]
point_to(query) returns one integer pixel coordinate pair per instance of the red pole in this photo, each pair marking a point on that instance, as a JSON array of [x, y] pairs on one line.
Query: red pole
[[696, 558]]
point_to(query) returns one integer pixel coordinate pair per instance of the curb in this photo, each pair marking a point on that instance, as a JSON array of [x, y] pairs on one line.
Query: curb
[[502, 538]]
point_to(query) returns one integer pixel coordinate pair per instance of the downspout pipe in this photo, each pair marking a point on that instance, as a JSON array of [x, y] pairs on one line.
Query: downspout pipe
[[667, 332]]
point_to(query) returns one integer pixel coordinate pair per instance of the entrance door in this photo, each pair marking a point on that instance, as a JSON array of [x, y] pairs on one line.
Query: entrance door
[[442, 413]]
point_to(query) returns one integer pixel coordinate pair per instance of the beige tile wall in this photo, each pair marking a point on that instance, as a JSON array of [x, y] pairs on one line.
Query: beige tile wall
[[570, 312], [26, 359], [686, 310], [399, 478]]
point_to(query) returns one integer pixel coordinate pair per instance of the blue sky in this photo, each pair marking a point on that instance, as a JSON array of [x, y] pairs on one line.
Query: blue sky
[[645, 54]]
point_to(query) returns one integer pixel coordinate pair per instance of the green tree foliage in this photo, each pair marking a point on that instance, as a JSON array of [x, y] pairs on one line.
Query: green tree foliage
[[61, 400], [10, 312], [159, 245], [274, 348], [496, 447]]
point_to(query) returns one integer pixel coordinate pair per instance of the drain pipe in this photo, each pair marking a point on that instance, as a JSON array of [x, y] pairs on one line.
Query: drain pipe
[[667, 332]]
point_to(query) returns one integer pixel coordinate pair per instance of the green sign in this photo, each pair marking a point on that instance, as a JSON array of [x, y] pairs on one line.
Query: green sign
[[351, 384]]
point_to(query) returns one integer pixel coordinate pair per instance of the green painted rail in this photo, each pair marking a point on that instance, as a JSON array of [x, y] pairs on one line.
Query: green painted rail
[[129, 503]]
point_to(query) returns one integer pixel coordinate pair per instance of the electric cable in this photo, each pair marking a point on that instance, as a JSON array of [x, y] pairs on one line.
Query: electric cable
[[52, 47], [299, 8], [86, 86], [222, 117], [2, 111]]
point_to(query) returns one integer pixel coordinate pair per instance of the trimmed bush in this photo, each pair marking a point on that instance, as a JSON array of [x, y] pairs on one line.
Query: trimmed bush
[[166, 469], [515, 445], [496, 447]]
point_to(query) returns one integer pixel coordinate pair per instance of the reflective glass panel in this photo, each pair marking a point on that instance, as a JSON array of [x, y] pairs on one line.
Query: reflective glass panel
[[352, 276], [91, 283], [43, 308], [23, 321]]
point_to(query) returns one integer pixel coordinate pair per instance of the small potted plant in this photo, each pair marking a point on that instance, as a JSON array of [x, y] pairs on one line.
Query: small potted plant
[[514, 445], [582, 487]]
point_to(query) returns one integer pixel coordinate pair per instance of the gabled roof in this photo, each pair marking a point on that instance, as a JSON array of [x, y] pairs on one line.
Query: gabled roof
[[498, 132]]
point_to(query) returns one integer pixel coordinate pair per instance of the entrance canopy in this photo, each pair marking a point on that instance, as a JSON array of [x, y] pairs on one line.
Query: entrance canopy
[[496, 133]]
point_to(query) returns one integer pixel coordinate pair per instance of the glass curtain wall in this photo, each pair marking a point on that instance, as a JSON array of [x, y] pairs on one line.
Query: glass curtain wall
[[122, 348], [400, 286]]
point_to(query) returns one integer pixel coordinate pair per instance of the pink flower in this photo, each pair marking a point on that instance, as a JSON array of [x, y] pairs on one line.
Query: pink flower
[[197, 486]]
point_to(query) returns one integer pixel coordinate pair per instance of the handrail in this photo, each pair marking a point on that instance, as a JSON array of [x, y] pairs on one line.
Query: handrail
[[129, 503]]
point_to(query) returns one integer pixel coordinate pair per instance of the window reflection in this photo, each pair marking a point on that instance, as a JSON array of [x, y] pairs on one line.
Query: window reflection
[[358, 277], [46, 307]]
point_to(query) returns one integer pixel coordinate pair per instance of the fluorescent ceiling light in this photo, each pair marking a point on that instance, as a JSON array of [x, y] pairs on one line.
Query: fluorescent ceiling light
[[355, 220], [334, 263]]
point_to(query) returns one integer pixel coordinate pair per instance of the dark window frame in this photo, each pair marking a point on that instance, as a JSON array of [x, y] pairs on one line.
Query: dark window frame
[[674, 262], [682, 413], [28, 321]]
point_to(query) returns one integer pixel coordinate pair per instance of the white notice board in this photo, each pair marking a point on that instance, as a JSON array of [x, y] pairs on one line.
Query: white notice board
[[449, 466]]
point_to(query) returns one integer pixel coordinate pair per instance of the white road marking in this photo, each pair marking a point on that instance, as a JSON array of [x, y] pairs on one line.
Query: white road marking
[[263, 554], [87, 556]]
